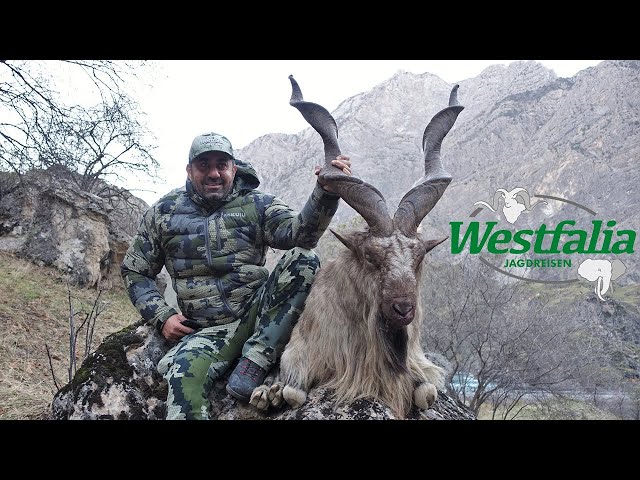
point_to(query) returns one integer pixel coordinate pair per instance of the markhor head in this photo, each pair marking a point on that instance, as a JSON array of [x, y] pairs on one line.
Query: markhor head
[[391, 250]]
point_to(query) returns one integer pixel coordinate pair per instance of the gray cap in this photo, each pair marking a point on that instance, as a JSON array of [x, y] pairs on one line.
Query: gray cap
[[210, 142]]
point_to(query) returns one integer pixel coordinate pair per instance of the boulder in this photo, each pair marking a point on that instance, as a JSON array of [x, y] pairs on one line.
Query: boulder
[[46, 218], [119, 381]]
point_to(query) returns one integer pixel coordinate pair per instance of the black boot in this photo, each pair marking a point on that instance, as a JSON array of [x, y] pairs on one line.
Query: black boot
[[245, 377]]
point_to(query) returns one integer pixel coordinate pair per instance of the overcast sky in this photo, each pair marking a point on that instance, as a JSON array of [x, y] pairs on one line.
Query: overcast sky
[[247, 99]]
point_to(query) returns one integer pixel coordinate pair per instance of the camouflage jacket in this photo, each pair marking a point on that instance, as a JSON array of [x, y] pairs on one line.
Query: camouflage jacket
[[215, 251]]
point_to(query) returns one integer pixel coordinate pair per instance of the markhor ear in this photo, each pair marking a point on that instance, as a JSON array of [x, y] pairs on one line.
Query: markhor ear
[[429, 244], [346, 241]]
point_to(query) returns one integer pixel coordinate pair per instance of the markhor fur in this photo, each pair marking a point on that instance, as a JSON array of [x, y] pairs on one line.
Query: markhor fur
[[348, 345], [359, 334]]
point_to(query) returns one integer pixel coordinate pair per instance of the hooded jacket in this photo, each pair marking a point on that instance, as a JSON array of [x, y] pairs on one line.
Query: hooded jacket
[[215, 252]]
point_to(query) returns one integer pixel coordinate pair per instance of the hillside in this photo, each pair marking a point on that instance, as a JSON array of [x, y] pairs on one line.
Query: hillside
[[34, 311]]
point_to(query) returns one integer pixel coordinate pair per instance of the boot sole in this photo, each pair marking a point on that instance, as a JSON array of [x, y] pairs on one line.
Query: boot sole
[[239, 396]]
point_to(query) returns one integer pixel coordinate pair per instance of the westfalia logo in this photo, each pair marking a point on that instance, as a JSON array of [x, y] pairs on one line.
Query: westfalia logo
[[566, 238], [562, 241]]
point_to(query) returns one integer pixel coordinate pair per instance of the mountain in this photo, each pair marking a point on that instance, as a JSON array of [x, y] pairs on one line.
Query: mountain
[[575, 138]]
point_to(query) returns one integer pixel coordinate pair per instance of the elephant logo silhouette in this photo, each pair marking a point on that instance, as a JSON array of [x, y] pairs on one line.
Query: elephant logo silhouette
[[603, 272]]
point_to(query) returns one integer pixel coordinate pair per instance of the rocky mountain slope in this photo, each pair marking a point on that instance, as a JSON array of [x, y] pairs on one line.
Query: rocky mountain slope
[[576, 138]]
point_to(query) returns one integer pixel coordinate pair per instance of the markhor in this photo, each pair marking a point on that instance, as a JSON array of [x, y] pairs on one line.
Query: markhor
[[574, 241]]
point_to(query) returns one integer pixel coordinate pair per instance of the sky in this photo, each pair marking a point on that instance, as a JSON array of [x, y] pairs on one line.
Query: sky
[[245, 99]]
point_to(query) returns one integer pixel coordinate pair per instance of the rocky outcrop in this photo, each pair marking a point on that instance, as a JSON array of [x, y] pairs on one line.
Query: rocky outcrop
[[120, 381], [45, 217]]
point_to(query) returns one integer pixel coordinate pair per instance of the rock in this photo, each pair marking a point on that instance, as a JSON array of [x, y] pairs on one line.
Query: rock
[[48, 220], [119, 381]]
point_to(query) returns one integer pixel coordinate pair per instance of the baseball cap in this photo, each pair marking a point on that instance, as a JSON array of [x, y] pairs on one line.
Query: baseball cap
[[210, 142]]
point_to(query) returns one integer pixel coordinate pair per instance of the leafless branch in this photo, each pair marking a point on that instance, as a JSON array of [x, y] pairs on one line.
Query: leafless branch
[[72, 338], [40, 130], [53, 374], [96, 310]]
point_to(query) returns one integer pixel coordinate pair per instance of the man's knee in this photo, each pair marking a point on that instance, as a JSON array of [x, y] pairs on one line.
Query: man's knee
[[191, 361]]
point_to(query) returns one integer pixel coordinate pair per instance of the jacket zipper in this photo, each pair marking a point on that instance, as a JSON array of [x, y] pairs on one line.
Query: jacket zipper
[[206, 241], [218, 280]]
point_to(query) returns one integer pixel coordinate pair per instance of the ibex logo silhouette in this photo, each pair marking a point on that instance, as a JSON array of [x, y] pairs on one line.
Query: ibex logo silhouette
[[512, 208]]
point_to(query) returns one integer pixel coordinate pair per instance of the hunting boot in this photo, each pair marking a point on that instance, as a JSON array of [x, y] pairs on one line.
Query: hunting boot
[[245, 377]]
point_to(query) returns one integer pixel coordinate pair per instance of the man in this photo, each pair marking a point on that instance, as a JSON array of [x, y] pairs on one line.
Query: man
[[213, 236]]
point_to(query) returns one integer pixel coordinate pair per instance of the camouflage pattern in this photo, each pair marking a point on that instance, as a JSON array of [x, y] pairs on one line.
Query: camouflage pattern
[[210, 142], [215, 251], [192, 365]]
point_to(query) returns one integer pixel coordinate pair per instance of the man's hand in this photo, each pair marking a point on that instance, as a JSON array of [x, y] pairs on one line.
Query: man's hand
[[173, 329], [343, 163]]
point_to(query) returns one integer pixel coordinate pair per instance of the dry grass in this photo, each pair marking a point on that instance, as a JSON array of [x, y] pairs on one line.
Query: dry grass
[[34, 311], [553, 409]]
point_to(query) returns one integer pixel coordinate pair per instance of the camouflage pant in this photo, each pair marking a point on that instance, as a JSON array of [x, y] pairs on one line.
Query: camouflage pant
[[198, 359]]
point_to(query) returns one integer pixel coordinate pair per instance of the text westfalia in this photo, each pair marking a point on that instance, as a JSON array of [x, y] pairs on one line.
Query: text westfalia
[[566, 241]]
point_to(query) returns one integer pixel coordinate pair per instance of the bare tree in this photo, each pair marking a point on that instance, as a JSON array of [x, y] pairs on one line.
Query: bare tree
[[517, 347], [98, 143], [40, 129], [89, 323]]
